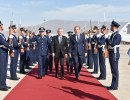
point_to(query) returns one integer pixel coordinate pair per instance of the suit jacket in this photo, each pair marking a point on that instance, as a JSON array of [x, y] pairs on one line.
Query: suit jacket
[[77, 48], [59, 48]]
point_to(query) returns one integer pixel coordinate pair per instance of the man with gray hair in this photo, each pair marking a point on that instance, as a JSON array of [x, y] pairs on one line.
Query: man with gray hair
[[59, 51]]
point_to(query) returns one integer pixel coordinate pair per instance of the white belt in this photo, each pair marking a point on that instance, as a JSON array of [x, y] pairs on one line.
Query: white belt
[[116, 46], [102, 46], [1, 46], [93, 42]]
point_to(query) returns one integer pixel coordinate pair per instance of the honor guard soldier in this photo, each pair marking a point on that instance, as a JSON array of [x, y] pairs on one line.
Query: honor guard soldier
[[4, 46], [69, 61], [14, 60], [31, 45], [95, 49], [114, 55], [34, 47], [101, 50], [49, 62], [89, 49], [77, 50], [27, 49], [43, 45], [22, 51]]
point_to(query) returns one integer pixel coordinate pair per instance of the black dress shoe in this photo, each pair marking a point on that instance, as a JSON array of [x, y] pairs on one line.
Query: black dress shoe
[[89, 68], [57, 75], [50, 72], [28, 68], [39, 77], [8, 87], [3, 89], [77, 78], [46, 73], [94, 72], [62, 78], [23, 72], [110, 88], [15, 78], [100, 78]]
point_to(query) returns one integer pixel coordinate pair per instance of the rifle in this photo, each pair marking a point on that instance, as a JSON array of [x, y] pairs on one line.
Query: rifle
[[11, 53], [106, 54]]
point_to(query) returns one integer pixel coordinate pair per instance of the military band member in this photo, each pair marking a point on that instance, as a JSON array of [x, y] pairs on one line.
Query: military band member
[[4, 46], [16, 46], [114, 55]]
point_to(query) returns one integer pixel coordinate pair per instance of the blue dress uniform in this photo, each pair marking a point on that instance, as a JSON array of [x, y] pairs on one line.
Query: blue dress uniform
[[69, 61], [90, 54], [27, 52], [114, 55], [49, 62], [95, 55], [101, 49], [37, 36], [22, 57], [77, 49], [22, 54], [14, 60], [31, 40], [3, 61], [34, 48], [43, 44]]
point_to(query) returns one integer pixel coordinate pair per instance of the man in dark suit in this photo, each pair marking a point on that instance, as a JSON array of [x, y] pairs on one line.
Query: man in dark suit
[[77, 49], [59, 50]]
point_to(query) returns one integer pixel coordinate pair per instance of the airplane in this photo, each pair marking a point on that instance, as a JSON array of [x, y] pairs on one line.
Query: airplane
[[125, 33]]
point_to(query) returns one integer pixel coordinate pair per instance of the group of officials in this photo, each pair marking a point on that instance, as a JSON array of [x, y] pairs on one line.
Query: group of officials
[[90, 47]]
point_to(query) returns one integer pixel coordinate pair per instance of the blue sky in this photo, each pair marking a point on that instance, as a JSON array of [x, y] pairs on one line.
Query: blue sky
[[33, 12]]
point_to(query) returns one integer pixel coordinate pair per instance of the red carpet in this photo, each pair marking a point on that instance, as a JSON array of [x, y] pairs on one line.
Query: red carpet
[[51, 88]]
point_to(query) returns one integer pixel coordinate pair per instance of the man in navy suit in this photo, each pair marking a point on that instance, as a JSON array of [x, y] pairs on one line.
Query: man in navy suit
[[77, 49], [16, 46], [4, 46], [114, 55], [42, 44]]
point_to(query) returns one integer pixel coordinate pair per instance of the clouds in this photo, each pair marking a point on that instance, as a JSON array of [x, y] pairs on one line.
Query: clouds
[[88, 11], [33, 3]]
